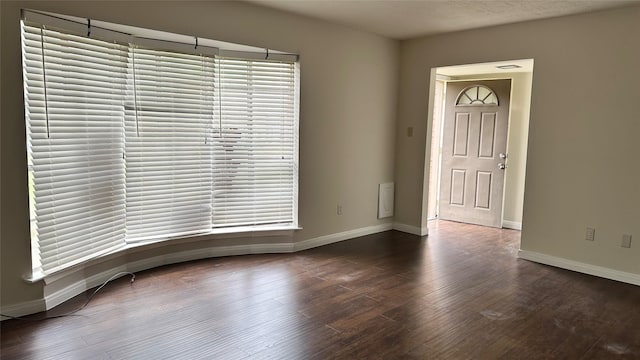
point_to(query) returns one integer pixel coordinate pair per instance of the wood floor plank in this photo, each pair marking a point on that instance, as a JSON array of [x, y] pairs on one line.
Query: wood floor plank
[[460, 293]]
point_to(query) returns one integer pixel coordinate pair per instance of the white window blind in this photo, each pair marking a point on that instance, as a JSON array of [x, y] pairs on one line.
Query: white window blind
[[129, 143], [255, 154], [74, 88], [168, 121]]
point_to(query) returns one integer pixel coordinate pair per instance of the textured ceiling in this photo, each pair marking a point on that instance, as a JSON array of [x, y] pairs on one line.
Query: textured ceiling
[[402, 19]]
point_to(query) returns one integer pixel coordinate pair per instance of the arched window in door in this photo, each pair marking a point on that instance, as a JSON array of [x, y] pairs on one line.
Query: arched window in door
[[477, 95]]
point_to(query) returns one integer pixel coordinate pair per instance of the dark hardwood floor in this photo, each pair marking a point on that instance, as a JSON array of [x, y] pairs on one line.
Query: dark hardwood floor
[[459, 293]]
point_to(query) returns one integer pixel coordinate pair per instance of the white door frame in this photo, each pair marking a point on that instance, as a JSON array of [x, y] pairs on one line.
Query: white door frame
[[430, 119]]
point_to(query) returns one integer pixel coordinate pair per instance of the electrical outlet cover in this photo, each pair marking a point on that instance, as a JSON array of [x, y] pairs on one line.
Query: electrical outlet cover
[[590, 235]]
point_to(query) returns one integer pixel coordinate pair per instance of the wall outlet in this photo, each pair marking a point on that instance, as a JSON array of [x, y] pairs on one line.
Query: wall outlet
[[590, 235], [339, 210], [626, 240]]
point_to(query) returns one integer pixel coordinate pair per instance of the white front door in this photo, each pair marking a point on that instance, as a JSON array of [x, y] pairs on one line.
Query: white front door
[[474, 151]]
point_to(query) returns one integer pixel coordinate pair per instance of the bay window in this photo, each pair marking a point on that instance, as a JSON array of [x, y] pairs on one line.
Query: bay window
[[130, 143]]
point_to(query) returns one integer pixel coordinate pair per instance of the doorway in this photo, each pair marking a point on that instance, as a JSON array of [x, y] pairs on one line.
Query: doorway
[[520, 74], [474, 147]]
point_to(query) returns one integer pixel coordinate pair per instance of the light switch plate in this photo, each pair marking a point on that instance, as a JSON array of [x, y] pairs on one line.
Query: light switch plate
[[626, 240]]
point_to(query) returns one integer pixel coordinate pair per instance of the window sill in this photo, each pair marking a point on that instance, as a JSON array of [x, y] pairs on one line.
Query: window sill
[[226, 233], [231, 232]]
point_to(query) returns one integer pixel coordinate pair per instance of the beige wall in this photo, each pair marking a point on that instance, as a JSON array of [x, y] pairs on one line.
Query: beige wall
[[518, 137], [582, 163], [347, 121], [582, 166]]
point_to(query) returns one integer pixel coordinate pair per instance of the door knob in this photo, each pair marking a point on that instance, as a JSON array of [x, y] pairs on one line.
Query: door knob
[[502, 156], [501, 166]]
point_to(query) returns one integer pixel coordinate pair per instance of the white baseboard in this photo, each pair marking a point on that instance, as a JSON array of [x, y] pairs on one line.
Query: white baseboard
[[515, 225], [341, 236], [58, 297], [62, 295], [603, 272], [410, 229], [23, 308]]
